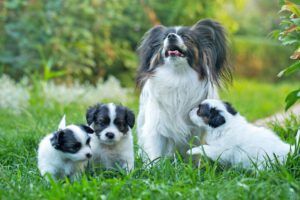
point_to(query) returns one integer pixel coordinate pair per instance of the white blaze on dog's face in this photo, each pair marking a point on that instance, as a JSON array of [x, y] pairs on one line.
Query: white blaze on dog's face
[[110, 122], [212, 114], [73, 142]]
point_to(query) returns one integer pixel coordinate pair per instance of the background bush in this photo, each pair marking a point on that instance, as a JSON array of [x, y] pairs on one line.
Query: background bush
[[90, 39]]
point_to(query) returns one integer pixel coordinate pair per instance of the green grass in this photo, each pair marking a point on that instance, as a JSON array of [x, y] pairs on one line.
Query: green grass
[[20, 179]]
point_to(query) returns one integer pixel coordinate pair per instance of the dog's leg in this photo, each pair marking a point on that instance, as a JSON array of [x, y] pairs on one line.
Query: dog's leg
[[211, 152]]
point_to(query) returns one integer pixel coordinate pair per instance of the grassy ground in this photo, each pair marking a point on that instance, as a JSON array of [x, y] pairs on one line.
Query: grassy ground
[[20, 179]]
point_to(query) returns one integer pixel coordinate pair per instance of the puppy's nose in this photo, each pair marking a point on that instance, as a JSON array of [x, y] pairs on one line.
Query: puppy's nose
[[110, 135], [88, 155], [172, 36]]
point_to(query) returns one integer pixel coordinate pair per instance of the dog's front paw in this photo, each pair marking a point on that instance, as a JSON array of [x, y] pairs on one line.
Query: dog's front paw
[[195, 151]]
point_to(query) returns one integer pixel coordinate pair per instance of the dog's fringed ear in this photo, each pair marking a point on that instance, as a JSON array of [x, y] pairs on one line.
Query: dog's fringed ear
[[62, 123], [213, 36], [216, 121], [57, 138], [87, 129], [130, 118], [229, 108], [150, 45], [91, 113]]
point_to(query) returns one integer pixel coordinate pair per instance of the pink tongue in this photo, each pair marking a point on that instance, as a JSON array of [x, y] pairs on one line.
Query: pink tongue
[[174, 53]]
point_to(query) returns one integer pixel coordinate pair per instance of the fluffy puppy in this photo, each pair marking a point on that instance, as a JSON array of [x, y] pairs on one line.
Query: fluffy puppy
[[234, 141], [179, 67], [112, 143], [65, 153]]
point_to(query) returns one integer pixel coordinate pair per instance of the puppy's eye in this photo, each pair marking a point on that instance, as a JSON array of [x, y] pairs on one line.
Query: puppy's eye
[[77, 145], [185, 37], [88, 141]]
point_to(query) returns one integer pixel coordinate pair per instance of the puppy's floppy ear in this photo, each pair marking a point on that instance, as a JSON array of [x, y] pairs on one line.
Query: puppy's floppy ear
[[91, 113], [62, 123], [216, 121], [130, 118], [57, 138], [150, 45], [213, 37], [87, 129], [229, 108]]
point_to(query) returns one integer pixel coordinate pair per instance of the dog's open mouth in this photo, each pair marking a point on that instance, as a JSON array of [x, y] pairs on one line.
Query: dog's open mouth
[[174, 51]]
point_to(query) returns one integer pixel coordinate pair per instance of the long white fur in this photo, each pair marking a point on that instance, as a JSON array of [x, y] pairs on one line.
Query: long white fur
[[163, 124], [59, 164], [120, 151], [238, 142]]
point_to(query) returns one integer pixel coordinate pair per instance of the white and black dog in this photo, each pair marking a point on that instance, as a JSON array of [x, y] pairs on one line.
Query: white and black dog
[[112, 143], [179, 68], [65, 153], [232, 140]]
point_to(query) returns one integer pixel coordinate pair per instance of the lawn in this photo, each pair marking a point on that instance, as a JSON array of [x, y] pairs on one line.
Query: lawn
[[21, 132]]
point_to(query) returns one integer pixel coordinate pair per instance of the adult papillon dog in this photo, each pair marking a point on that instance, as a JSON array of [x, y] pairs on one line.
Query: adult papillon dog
[[179, 67]]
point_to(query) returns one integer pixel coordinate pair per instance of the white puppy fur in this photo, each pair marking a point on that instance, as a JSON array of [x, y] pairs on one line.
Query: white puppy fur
[[232, 140], [112, 143], [64, 153]]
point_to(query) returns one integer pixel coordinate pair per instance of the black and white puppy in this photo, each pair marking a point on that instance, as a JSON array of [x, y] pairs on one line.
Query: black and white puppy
[[112, 143], [65, 153], [234, 141], [179, 68]]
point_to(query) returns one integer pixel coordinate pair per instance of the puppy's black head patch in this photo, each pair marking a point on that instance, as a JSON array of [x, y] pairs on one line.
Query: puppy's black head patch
[[210, 116], [124, 118], [229, 108], [65, 141], [86, 129]]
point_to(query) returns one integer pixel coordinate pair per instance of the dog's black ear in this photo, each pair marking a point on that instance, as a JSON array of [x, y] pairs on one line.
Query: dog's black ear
[[216, 121], [130, 118], [91, 113], [215, 36], [57, 138], [229, 108], [150, 45], [87, 129]]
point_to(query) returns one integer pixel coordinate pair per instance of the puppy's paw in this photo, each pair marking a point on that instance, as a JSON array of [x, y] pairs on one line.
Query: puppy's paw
[[195, 151]]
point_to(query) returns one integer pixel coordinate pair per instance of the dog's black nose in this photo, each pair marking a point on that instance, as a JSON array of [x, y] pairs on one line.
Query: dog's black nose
[[172, 36], [110, 135], [88, 155]]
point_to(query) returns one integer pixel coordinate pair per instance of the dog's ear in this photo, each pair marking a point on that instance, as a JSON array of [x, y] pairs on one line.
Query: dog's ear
[[229, 108], [216, 121], [87, 129], [150, 45], [130, 118], [62, 123], [212, 37], [57, 138], [91, 113]]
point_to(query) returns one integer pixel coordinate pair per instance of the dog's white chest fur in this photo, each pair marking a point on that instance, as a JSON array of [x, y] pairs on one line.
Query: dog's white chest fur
[[165, 102]]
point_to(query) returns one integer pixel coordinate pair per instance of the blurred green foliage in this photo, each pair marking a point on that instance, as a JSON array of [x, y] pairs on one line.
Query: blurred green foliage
[[85, 39], [89, 39]]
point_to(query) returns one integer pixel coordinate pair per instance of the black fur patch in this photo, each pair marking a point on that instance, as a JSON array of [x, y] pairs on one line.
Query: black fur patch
[[206, 46], [124, 118], [210, 116], [86, 129], [230, 109], [65, 141]]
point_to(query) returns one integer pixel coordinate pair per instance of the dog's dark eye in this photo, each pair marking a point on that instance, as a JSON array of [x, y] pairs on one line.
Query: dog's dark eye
[[88, 141], [103, 121], [185, 37], [77, 146]]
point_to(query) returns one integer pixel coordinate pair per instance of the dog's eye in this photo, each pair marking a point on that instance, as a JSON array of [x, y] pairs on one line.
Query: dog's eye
[[88, 141], [77, 145]]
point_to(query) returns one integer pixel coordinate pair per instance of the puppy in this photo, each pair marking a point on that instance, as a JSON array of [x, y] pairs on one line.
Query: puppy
[[232, 140], [65, 153], [180, 66], [112, 143]]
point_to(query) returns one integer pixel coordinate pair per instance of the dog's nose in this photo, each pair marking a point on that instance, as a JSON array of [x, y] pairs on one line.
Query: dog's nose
[[110, 135], [88, 155], [172, 36]]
